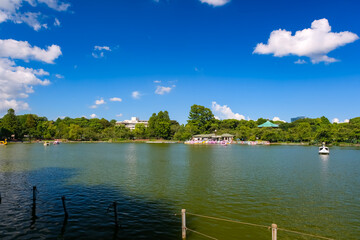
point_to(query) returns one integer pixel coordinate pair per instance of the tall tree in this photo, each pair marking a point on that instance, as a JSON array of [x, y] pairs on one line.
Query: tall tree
[[11, 123], [200, 118]]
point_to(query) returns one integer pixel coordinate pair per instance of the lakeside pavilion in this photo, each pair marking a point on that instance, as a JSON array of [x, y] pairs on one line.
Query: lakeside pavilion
[[268, 124], [213, 137]]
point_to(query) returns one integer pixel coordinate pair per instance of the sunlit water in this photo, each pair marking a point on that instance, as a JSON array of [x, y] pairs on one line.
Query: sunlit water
[[291, 186]]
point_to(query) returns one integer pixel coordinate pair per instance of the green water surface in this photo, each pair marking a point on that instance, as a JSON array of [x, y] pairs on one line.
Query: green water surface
[[291, 186]]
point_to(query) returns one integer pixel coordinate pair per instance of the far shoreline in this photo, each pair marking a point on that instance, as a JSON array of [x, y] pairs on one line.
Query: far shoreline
[[149, 141]]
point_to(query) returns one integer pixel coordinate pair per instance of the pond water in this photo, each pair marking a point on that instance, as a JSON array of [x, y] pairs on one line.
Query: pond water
[[291, 186]]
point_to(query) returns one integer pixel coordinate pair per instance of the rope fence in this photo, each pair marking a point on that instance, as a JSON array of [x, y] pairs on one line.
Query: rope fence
[[273, 227]]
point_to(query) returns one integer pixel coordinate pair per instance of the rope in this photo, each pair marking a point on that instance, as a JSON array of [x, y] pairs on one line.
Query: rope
[[229, 220], [201, 234], [306, 234], [258, 225]]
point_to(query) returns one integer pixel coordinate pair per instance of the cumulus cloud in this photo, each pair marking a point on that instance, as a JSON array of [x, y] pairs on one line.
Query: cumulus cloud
[[136, 95], [97, 103], [315, 42], [215, 3], [161, 90], [346, 121], [93, 115], [17, 82], [277, 119], [99, 51], [224, 112], [335, 120], [119, 115], [115, 99], [10, 10], [10, 48], [59, 76], [100, 102]]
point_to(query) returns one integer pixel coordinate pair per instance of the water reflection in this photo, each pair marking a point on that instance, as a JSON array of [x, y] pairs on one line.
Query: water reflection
[[324, 157]]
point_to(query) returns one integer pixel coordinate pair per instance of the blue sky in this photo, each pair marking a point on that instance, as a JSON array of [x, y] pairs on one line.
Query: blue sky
[[176, 53]]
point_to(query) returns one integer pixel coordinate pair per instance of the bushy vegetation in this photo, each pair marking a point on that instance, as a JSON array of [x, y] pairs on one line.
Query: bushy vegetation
[[201, 120]]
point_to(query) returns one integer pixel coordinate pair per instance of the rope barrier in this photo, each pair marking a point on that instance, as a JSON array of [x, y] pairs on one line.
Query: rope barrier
[[201, 234], [229, 220], [306, 234], [258, 225]]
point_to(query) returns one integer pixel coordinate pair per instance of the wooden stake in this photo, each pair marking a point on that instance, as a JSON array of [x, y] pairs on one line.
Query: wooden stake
[[64, 206], [34, 202], [183, 223], [34, 193], [274, 231], [115, 214]]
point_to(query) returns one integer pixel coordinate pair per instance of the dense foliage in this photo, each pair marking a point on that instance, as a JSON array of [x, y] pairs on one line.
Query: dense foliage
[[201, 120]]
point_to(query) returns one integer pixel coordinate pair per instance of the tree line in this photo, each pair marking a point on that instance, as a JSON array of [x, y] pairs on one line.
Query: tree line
[[160, 126]]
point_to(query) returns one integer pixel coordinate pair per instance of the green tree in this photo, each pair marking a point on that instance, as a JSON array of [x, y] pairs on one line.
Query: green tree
[[140, 131], [11, 123], [200, 118]]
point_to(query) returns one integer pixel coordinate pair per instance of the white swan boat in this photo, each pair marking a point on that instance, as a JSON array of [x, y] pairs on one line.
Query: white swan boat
[[323, 149]]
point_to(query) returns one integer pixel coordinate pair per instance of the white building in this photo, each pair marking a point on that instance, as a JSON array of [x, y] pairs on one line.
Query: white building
[[131, 123]]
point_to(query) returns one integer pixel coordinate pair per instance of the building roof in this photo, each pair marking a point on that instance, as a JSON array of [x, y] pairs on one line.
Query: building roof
[[268, 124], [211, 135]]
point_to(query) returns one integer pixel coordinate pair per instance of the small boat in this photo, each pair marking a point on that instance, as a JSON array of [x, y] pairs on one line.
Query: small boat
[[4, 142], [323, 149], [56, 142], [46, 144]]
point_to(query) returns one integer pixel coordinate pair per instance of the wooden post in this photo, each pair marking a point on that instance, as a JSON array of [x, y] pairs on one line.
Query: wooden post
[[0, 197], [34, 202], [274, 231], [115, 214], [64, 206], [183, 223], [34, 193]]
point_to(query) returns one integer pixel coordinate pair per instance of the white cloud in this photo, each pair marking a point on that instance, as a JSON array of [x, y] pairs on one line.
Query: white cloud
[[59, 76], [17, 82], [10, 48], [224, 112], [335, 120], [99, 51], [100, 102], [115, 99], [161, 90], [97, 103], [56, 4], [10, 10], [57, 22], [215, 3], [93, 115], [300, 61], [119, 115], [136, 95], [100, 48], [157, 81], [346, 121], [315, 42], [277, 119], [98, 55]]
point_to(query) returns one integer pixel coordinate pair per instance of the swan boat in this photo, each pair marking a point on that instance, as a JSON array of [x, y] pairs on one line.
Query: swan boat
[[324, 150]]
